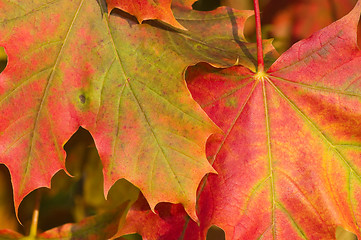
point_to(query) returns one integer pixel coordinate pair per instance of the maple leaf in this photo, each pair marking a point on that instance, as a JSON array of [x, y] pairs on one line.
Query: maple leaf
[[167, 142], [289, 162], [39, 111], [75, 67]]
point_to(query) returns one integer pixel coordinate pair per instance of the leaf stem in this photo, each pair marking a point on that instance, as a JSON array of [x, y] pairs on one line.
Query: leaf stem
[[260, 67], [34, 221]]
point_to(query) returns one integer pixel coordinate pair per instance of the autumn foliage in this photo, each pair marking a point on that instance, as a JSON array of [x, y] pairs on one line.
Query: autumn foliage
[[154, 118]]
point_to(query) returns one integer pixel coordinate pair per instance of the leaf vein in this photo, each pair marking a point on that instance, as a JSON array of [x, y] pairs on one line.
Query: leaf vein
[[154, 136], [292, 219], [170, 103], [325, 89], [324, 138], [270, 159], [22, 83], [298, 188]]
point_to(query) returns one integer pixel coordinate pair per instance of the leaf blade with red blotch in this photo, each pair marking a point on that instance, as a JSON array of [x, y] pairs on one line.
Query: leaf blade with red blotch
[[32, 130], [156, 136]]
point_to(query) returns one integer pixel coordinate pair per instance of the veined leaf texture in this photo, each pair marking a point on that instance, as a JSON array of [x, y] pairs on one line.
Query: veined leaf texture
[[285, 144]]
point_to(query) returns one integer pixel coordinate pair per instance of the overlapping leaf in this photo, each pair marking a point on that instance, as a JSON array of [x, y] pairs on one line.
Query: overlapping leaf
[[70, 66], [168, 222], [147, 9]]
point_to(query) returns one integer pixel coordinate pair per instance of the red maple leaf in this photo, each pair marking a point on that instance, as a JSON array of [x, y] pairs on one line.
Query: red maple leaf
[[288, 162]]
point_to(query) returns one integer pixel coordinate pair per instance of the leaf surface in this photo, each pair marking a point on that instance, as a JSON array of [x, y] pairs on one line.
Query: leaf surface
[[289, 162], [119, 79]]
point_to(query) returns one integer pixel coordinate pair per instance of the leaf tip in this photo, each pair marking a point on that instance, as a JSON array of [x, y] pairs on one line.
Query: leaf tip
[[191, 211], [355, 12]]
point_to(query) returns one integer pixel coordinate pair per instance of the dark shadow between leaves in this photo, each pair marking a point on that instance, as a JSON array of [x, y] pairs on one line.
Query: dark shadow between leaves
[[103, 6], [7, 211], [215, 233], [134, 236], [132, 21], [206, 5], [3, 59], [235, 32]]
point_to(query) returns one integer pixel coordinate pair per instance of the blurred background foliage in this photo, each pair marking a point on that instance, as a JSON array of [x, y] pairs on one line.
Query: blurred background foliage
[[72, 199], [287, 21]]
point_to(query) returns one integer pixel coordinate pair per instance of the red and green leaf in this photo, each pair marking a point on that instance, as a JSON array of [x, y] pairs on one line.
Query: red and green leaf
[[42, 88]]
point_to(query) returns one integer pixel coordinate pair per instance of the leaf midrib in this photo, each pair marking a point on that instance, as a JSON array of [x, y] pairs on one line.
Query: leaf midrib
[[270, 158], [318, 88]]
